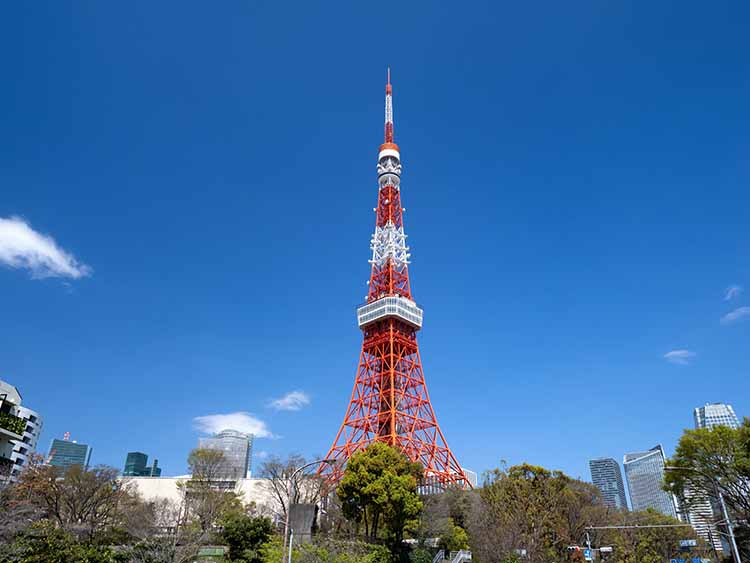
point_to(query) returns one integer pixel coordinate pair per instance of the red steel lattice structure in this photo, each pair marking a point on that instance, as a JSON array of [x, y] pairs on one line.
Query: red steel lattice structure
[[390, 402]]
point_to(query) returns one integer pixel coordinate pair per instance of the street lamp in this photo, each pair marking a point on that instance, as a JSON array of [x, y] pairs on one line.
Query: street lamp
[[289, 501], [725, 513]]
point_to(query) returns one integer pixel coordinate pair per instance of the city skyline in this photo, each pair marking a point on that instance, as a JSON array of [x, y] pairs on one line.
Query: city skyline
[[178, 212]]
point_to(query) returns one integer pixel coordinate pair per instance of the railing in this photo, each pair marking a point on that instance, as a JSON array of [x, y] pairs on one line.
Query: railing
[[439, 556], [11, 422], [460, 556]]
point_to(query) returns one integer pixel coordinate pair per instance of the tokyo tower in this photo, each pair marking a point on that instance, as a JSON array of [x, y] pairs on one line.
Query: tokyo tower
[[390, 402]]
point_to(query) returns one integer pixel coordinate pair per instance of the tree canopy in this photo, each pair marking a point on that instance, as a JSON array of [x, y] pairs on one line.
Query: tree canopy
[[378, 492]]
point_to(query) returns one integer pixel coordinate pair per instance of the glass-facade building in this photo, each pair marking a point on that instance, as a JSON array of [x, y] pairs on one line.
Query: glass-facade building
[[645, 475], [606, 475], [136, 465], [237, 448], [715, 414], [65, 454]]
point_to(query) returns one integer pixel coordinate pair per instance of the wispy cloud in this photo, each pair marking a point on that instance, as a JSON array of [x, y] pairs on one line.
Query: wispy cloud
[[22, 247], [736, 315], [240, 421], [292, 401], [680, 357], [261, 454], [732, 292]]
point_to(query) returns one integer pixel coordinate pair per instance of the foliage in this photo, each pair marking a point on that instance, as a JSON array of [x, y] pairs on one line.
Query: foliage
[[420, 555], [453, 537], [43, 542], [328, 550], [712, 460], [11, 422], [272, 551], [644, 545], [531, 508], [379, 492], [206, 496], [245, 536], [82, 502]]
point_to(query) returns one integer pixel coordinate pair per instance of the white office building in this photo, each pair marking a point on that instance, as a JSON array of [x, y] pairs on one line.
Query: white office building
[[715, 414], [26, 446]]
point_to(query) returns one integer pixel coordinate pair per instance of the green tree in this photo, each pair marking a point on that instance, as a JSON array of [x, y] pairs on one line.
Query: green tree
[[85, 502], [713, 461], [453, 537], [378, 491], [643, 544], [206, 496], [43, 542], [527, 507], [245, 535]]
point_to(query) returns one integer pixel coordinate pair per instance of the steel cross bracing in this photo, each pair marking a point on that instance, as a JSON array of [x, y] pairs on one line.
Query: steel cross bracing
[[390, 402]]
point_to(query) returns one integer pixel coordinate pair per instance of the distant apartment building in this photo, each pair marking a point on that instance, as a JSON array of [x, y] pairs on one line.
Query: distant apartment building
[[237, 448], [24, 448], [136, 465], [645, 475], [65, 454], [606, 475], [715, 414]]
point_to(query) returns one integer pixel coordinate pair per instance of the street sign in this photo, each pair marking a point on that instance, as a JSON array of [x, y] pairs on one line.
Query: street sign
[[696, 560], [673, 561], [606, 549], [688, 543], [587, 555]]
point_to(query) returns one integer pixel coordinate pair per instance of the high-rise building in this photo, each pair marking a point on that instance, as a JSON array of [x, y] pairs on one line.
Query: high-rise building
[[645, 475], [65, 454], [698, 512], [12, 428], [24, 448], [715, 414], [136, 465], [698, 509], [606, 475], [237, 448]]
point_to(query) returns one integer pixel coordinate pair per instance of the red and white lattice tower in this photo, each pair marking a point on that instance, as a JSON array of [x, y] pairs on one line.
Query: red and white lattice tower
[[390, 402]]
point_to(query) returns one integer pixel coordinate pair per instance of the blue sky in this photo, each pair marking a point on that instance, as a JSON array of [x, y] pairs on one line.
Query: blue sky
[[576, 184]]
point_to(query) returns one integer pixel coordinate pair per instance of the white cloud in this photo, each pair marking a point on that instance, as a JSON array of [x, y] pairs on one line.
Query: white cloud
[[292, 401], [240, 421], [681, 357], [736, 315], [23, 247], [261, 454], [732, 292]]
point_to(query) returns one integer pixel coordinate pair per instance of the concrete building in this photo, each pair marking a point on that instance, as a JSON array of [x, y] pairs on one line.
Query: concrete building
[[606, 475], [12, 428], [136, 465], [645, 475], [65, 454], [237, 448], [715, 414], [258, 491], [24, 448]]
